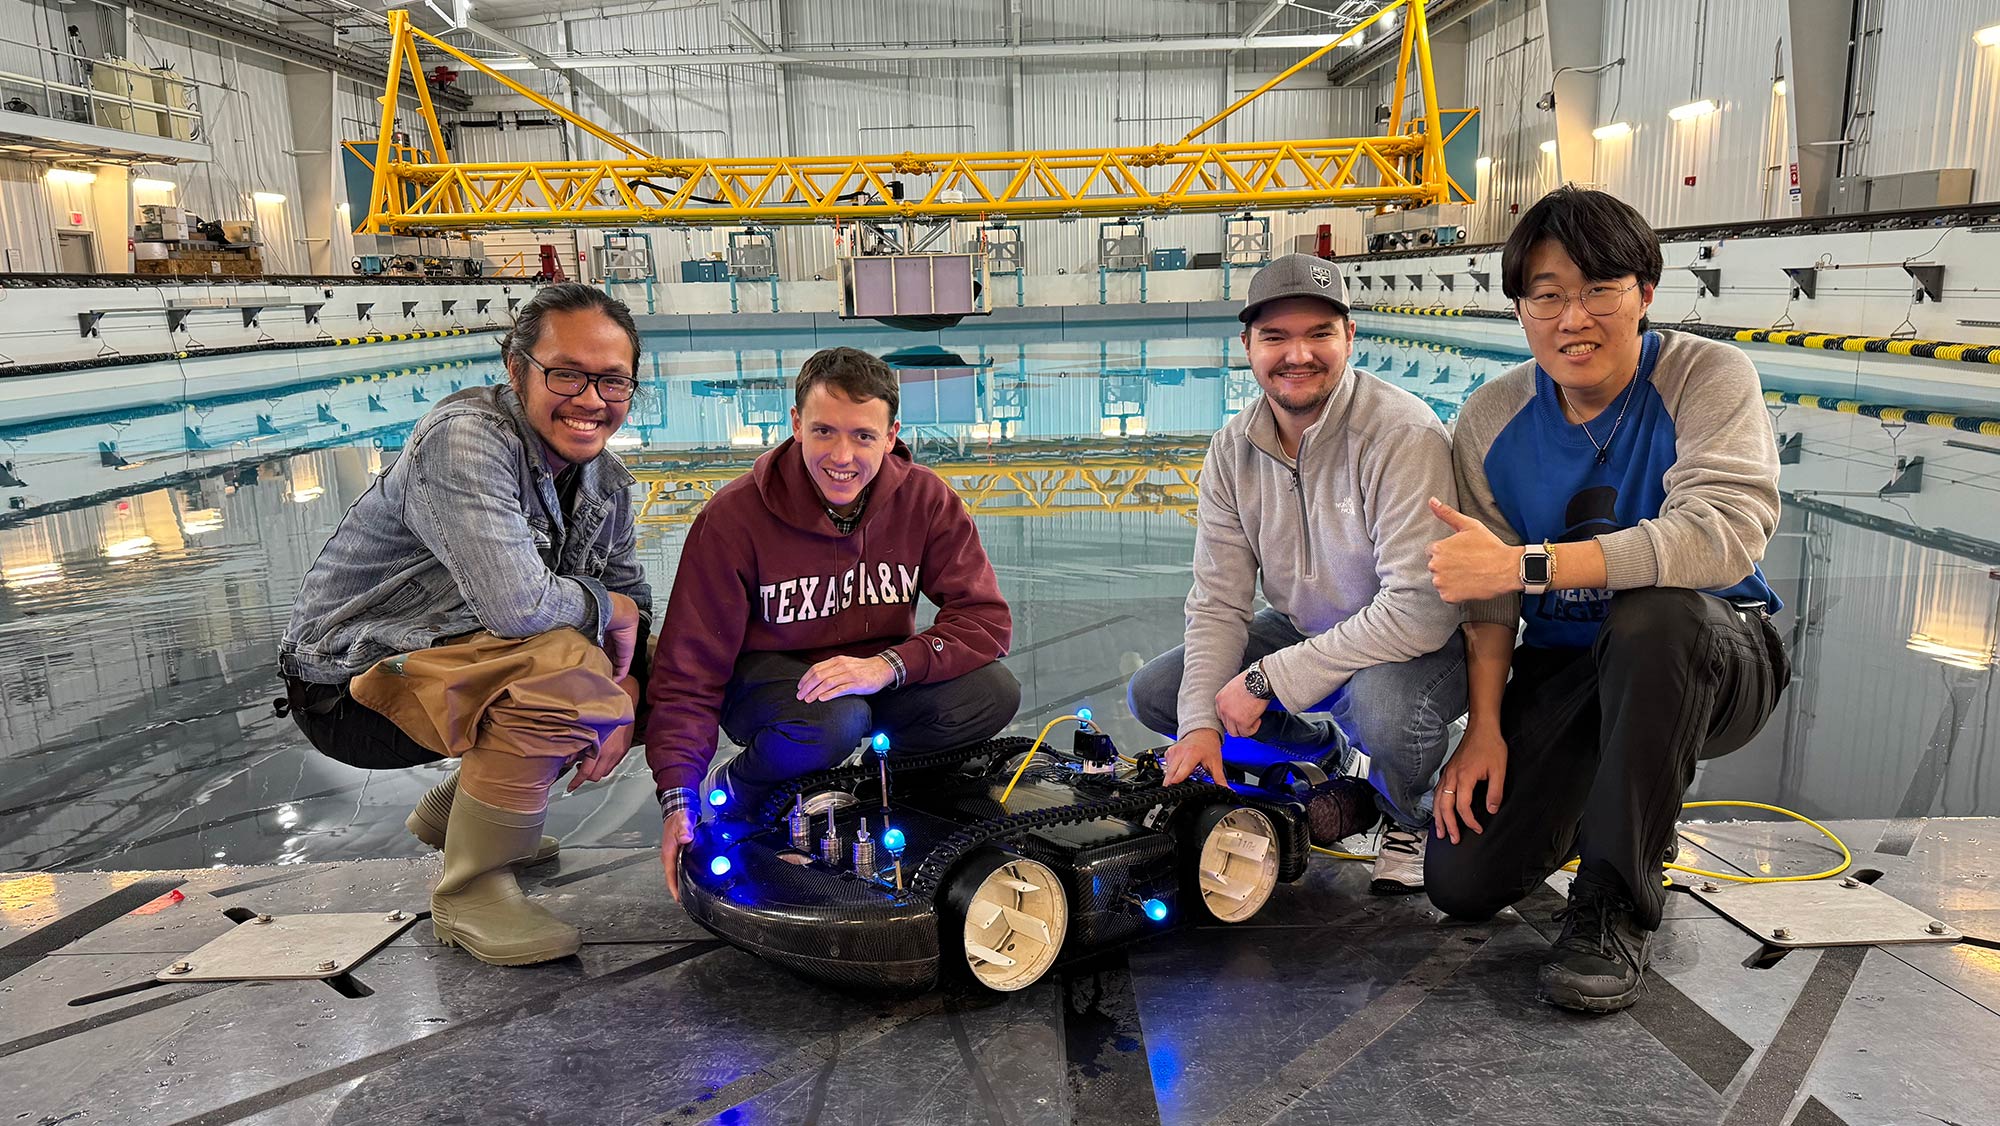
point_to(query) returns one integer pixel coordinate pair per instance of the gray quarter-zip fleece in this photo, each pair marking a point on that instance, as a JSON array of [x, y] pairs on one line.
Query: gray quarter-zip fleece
[[1336, 538]]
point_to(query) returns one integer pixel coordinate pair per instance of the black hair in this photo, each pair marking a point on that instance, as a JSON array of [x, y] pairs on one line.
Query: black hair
[[854, 373], [531, 320], [1601, 233]]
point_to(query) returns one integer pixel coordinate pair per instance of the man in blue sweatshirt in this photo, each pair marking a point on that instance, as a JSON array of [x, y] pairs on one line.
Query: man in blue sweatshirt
[[1617, 493]]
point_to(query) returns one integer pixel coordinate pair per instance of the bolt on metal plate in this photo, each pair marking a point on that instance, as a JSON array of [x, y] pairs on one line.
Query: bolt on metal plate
[[1831, 912], [289, 947]]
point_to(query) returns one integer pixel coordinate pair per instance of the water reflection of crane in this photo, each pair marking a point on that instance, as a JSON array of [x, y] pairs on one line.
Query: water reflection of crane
[[1041, 477]]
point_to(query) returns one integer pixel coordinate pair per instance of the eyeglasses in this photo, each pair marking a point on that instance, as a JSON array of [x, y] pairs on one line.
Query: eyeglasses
[[569, 381], [1598, 301]]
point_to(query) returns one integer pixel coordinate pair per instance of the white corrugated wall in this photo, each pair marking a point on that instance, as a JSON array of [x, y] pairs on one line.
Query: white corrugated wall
[[1507, 68], [1937, 100], [27, 222], [1740, 51]]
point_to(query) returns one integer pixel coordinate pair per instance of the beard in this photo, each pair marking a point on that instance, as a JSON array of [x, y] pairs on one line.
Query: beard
[[1304, 401]]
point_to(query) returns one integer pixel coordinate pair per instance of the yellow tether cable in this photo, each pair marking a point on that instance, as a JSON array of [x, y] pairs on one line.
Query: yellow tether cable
[[1846, 857], [1022, 769]]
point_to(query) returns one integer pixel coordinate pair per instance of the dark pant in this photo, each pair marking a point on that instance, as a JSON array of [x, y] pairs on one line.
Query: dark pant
[[783, 737], [348, 732], [1396, 713], [1602, 745]]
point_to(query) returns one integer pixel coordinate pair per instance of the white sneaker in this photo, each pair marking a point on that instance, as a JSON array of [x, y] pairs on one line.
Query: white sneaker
[[1399, 861]]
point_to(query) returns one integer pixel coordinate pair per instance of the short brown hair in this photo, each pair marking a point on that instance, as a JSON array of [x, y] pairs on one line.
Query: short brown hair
[[854, 373]]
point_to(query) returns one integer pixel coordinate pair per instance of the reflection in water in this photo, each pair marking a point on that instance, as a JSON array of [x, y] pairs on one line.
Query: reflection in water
[[148, 560]]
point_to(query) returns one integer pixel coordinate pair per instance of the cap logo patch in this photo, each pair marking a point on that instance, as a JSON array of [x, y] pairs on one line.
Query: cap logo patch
[[1323, 277]]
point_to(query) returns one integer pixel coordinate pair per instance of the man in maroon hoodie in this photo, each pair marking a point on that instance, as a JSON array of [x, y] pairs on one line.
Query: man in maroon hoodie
[[792, 624]]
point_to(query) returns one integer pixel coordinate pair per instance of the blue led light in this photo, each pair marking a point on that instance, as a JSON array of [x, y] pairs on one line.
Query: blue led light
[[881, 741], [720, 866], [718, 797], [892, 839], [1155, 910], [1083, 714]]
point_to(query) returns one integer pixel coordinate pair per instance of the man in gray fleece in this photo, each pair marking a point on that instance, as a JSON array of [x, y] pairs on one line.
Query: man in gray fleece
[[1318, 490], [1618, 492]]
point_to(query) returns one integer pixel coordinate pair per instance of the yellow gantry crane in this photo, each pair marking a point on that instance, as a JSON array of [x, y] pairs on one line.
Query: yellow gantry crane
[[419, 191]]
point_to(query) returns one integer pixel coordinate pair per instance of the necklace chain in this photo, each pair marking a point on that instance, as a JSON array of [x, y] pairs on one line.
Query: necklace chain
[[1603, 448]]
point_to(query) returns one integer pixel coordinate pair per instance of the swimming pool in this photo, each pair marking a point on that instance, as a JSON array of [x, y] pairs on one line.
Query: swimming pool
[[148, 567]]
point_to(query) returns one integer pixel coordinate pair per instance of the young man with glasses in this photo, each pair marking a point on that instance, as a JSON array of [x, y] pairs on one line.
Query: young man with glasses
[[483, 601], [793, 622], [1618, 492]]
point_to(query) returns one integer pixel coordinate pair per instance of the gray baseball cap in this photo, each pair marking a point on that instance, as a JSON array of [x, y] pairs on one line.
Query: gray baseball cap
[[1295, 275]]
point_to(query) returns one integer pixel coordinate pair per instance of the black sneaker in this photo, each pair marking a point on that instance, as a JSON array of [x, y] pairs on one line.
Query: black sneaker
[[1338, 808], [1600, 959]]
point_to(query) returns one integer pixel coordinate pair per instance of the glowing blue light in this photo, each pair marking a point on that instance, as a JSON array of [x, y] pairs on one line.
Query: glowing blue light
[[892, 839], [720, 866], [881, 742], [718, 797], [1083, 714], [1155, 910]]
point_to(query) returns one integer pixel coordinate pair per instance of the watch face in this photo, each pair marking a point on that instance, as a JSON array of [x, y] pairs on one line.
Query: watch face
[[1535, 569]]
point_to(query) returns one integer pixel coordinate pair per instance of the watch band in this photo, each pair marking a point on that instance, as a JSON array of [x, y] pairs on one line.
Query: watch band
[[1258, 684], [1540, 552]]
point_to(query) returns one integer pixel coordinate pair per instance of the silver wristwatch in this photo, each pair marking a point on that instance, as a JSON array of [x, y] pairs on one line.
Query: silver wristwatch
[[1258, 684]]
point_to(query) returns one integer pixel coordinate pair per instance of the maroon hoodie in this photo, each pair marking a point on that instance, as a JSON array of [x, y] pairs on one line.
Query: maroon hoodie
[[764, 570]]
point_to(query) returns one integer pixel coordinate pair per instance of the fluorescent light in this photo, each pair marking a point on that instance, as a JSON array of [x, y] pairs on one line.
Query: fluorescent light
[[1692, 110], [1483, 163], [127, 548], [309, 493], [625, 440], [1612, 131], [267, 197], [1987, 36], [1548, 146], [30, 574], [1778, 87], [143, 184], [72, 176]]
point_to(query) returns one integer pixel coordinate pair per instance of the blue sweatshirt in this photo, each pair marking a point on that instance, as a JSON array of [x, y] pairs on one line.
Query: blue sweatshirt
[[1684, 495]]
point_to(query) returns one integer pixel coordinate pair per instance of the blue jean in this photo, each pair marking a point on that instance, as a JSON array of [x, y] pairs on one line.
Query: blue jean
[[1396, 714], [783, 738]]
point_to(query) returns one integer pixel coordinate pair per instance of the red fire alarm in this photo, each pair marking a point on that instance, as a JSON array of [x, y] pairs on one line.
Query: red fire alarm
[[76, 218], [1688, 181]]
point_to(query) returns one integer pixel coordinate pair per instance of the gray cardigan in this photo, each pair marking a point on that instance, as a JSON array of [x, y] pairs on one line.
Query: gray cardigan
[[1338, 541]]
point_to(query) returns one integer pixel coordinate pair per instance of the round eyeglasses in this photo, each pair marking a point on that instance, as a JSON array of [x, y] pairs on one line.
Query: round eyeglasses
[[1597, 300]]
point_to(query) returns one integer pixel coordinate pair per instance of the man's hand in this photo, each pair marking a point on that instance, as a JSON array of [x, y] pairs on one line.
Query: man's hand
[[1202, 747], [1241, 713], [1481, 757], [598, 767], [675, 835], [1472, 563], [845, 676], [621, 635]]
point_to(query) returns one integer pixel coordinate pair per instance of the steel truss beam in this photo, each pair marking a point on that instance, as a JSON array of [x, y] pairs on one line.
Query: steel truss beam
[[420, 191]]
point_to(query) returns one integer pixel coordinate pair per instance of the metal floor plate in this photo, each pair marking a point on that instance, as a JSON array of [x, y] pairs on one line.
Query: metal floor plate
[[290, 947], [1842, 912]]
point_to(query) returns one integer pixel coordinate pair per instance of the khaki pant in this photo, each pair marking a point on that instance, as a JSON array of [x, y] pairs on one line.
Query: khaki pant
[[517, 712]]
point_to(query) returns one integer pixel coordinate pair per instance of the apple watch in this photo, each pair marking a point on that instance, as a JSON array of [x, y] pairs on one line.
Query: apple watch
[[1538, 568]]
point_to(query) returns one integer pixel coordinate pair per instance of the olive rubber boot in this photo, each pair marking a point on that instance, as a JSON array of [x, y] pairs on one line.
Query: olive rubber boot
[[427, 822], [478, 905]]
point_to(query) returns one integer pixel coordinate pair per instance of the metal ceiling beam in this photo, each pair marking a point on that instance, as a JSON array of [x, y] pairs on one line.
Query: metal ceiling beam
[[1382, 52], [848, 55], [275, 42]]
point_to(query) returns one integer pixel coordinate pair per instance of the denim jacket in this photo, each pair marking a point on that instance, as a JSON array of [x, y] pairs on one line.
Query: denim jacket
[[464, 532]]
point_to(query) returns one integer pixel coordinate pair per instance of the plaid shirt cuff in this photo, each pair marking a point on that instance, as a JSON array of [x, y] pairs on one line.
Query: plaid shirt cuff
[[895, 662], [677, 799]]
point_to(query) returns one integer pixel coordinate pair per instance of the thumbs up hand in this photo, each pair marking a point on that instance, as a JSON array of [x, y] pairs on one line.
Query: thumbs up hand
[[1472, 563]]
